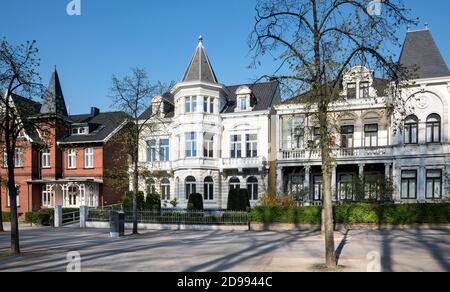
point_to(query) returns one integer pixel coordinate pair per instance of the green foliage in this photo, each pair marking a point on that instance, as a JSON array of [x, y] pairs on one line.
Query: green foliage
[[70, 210], [44, 217], [174, 203], [396, 214], [153, 202], [127, 201], [195, 202], [6, 216], [238, 200]]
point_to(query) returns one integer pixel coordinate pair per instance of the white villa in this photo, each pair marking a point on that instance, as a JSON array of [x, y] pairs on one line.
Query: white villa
[[211, 138]]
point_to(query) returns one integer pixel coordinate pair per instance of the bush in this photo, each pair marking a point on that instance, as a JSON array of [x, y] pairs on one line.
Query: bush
[[127, 202], [238, 200], [70, 210], [44, 217], [153, 202], [195, 202], [396, 214], [6, 216]]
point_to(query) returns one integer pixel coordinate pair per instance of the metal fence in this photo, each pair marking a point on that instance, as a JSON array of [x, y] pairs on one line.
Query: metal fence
[[70, 217], [207, 217]]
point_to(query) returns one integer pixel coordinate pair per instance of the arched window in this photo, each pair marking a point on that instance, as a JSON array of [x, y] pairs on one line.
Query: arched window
[[235, 183], [252, 187], [165, 189], [191, 186], [208, 188], [434, 129], [411, 130], [151, 186]]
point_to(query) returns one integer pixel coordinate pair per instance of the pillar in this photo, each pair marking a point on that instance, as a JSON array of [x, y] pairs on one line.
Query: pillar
[[333, 182], [83, 216], [361, 170], [280, 180], [58, 216]]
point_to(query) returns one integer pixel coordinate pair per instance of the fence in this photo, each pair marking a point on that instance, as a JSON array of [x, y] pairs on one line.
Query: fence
[[70, 217], [210, 217]]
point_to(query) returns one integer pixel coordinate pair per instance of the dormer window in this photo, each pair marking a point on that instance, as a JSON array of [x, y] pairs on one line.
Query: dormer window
[[364, 89], [80, 131], [243, 104], [351, 90]]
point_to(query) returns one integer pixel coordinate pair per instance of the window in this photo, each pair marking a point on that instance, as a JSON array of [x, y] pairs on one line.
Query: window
[[89, 158], [371, 135], [434, 184], [351, 90], [46, 158], [252, 145], [364, 90], [164, 146], [411, 130], [191, 186], [17, 198], [346, 187], [318, 188], [80, 131], [208, 188], [409, 184], [151, 187], [316, 135], [208, 145], [188, 104], [252, 187], [211, 105], [19, 157], [243, 103], [235, 183], [236, 146], [191, 144], [47, 196], [72, 159], [347, 136], [151, 150], [208, 105], [434, 129], [165, 189], [191, 104]]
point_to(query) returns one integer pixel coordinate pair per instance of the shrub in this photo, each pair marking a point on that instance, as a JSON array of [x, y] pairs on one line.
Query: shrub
[[278, 201], [127, 202], [277, 214], [153, 202], [70, 210], [44, 217], [195, 202], [6, 216], [238, 200]]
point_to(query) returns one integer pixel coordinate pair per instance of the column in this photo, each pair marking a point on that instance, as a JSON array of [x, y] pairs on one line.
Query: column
[[200, 136], [58, 216], [387, 179], [307, 181], [280, 180], [361, 169], [333, 182], [387, 170], [421, 183], [83, 216]]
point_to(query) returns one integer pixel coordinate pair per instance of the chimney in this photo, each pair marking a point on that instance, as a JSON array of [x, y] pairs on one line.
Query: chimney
[[94, 111]]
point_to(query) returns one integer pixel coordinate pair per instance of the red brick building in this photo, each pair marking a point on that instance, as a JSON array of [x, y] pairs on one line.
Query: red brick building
[[65, 159]]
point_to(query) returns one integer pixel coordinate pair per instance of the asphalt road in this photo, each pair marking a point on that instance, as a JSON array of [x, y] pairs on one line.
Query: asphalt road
[[46, 249]]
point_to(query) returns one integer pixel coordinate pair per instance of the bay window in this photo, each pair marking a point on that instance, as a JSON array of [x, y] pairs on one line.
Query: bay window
[[191, 144]]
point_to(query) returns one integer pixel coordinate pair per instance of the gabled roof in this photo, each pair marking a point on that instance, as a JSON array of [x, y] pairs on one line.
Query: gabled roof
[[101, 125], [200, 68], [420, 51], [168, 98], [27, 109], [264, 94], [54, 103]]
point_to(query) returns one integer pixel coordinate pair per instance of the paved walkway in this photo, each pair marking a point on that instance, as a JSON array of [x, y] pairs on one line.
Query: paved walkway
[[45, 249]]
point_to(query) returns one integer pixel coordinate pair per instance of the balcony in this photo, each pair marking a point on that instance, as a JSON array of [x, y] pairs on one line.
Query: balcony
[[157, 165], [343, 153], [244, 162]]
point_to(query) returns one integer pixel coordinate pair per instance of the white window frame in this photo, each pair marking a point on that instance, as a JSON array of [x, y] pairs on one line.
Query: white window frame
[[151, 150], [165, 189], [8, 199], [89, 158], [72, 158], [164, 150], [236, 146], [46, 158], [208, 145], [251, 145], [208, 189], [18, 161], [191, 145], [253, 189]]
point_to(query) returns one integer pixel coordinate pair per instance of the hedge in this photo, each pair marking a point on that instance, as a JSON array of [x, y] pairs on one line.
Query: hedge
[[44, 217], [195, 202], [127, 202], [6, 216], [396, 214], [238, 200]]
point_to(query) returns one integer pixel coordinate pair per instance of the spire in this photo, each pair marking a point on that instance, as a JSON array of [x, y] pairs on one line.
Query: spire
[[200, 68], [54, 99], [421, 51]]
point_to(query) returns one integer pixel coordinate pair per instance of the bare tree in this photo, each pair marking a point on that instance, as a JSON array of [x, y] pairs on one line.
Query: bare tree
[[316, 42], [18, 76], [132, 94]]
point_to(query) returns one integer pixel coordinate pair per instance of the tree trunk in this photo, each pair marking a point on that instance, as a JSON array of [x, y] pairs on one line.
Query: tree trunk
[[135, 184], [1, 210], [15, 246]]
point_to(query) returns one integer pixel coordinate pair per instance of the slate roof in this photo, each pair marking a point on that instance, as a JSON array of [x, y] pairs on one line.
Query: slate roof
[[27, 109], [168, 98], [101, 126], [420, 51], [200, 68], [54, 103], [264, 94]]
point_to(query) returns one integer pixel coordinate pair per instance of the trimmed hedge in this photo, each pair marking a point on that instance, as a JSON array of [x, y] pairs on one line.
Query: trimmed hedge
[[44, 217], [396, 214], [195, 202], [153, 202], [127, 201], [6, 216], [238, 200]]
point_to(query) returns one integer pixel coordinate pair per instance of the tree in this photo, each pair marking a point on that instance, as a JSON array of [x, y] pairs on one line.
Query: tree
[[133, 94], [18, 76], [316, 42]]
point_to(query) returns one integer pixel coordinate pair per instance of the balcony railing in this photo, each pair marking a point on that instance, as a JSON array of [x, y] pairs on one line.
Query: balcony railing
[[314, 154], [242, 162], [159, 165]]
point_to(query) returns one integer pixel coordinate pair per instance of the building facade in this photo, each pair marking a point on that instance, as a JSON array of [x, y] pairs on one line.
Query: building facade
[[64, 159], [209, 138], [405, 159]]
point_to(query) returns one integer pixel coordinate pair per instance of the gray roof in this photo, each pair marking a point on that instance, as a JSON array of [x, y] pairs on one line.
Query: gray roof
[[53, 103], [264, 95], [200, 68], [168, 98], [101, 126], [27, 109], [421, 52]]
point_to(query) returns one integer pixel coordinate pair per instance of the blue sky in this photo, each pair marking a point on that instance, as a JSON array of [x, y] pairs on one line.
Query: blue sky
[[112, 36]]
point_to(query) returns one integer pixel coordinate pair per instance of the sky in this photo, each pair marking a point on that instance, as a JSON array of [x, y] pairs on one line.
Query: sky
[[112, 36]]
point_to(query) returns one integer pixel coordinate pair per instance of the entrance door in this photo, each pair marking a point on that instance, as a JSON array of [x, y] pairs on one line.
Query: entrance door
[[318, 188], [73, 199]]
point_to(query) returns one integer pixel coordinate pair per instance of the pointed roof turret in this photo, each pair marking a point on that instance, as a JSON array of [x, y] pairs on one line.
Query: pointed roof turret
[[200, 68], [53, 102], [420, 50]]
